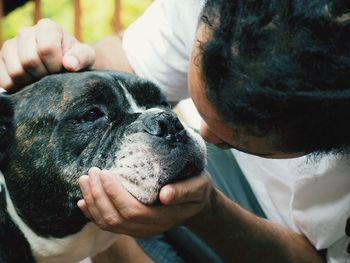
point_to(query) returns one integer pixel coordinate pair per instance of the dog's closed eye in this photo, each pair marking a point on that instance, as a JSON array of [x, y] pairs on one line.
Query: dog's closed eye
[[92, 114]]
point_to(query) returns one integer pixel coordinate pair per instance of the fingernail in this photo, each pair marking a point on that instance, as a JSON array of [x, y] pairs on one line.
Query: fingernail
[[80, 203], [94, 170], [71, 63]]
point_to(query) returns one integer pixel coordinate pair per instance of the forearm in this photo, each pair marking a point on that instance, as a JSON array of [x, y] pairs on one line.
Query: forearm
[[239, 236], [110, 55]]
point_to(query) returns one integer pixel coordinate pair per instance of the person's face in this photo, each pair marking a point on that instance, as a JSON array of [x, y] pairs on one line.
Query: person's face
[[216, 131]]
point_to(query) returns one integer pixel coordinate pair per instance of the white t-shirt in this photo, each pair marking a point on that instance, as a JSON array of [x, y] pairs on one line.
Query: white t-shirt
[[309, 197]]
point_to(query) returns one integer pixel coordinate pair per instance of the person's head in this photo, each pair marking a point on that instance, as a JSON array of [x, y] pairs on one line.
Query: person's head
[[272, 77]]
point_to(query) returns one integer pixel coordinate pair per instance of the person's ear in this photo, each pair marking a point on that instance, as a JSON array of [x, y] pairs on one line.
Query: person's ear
[[6, 124]]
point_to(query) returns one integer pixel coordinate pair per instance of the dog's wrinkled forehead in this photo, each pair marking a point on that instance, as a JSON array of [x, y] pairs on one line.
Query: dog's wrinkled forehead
[[131, 90], [90, 88], [68, 90]]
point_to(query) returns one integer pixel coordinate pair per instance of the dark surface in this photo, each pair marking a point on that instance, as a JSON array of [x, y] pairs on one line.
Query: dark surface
[[10, 5], [14, 247]]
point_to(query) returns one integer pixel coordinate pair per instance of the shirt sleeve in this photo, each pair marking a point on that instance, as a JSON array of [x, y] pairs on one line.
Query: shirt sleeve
[[321, 207], [158, 44]]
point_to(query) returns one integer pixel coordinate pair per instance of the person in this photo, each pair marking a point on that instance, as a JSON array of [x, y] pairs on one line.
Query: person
[[270, 80]]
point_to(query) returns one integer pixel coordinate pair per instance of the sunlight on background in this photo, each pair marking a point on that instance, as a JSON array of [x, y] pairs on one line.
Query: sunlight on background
[[96, 16], [96, 22]]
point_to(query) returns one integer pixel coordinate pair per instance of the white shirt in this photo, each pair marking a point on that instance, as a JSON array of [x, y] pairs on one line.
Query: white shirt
[[306, 196]]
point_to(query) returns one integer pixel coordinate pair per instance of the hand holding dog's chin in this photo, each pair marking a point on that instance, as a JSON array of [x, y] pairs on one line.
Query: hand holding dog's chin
[[113, 209]]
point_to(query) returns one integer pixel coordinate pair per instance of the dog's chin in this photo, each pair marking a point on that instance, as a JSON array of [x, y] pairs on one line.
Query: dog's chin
[[147, 195], [144, 167]]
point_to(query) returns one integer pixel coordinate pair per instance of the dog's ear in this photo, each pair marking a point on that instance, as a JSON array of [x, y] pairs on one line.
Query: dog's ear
[[6, 124]]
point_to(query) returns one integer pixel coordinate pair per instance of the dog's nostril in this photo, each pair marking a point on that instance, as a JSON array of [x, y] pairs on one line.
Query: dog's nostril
[[165, 124], [177, 137], [156, 127]]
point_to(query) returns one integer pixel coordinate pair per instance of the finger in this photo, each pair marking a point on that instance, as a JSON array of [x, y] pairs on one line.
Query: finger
[[83, 207], [93, 212], [5, 80], [49, 38], [139, 219], [129, 208], [78, 56], [27, 51], [194, 189], [116, 192], [108, 214], [12, 63]]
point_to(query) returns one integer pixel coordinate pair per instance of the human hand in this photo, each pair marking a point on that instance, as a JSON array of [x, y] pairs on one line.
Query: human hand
[[114, 209], [42, 49]]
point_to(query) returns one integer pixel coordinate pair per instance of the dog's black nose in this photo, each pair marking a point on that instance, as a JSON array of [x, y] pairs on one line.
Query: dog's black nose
[[165, 124]]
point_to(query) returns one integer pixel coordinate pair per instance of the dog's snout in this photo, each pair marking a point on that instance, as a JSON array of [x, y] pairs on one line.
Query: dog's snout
[[165, 124]]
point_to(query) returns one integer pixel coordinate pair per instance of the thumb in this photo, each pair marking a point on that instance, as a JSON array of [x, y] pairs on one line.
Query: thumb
[[79, 56], [192, 190]]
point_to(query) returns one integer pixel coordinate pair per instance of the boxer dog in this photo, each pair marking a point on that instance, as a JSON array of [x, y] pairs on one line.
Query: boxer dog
[[53, 131]]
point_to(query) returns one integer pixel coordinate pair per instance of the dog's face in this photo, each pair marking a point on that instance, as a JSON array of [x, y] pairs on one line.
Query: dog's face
[[66, 123]]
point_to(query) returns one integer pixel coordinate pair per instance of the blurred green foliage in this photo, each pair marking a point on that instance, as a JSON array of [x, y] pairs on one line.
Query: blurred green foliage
[[97, 16]]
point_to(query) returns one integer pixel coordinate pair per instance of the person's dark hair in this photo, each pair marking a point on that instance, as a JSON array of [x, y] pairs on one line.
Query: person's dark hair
[[281, 67]]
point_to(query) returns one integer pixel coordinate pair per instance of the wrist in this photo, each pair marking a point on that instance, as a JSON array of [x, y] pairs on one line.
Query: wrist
[[208, 214]]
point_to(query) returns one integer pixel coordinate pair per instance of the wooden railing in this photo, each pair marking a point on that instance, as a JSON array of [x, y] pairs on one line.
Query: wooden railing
[[77, 17], [1, 20]]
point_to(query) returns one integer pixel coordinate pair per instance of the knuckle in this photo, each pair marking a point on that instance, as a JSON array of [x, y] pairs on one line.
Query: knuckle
[[6, 84], [46, 49], [110, 191], [89, 202], [182, 194], [202, 196], [111, 220], [24, 31], [101, 224], [6, 45], [46, 22], [16, 73], [97, 194], [129, 213], [30, 62]]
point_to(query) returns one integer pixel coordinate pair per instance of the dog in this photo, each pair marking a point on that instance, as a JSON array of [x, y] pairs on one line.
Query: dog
[[53, 131]]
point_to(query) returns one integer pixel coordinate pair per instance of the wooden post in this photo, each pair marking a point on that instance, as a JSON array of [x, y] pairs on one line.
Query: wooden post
[[37, 11], [77, 19], [117, 25], [1, 21]]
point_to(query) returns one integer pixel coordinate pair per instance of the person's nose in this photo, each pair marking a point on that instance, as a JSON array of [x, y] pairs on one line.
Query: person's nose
[[208, 135]]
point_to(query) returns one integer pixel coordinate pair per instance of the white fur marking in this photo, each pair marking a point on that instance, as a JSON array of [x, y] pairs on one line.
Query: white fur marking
[[134, 107]]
